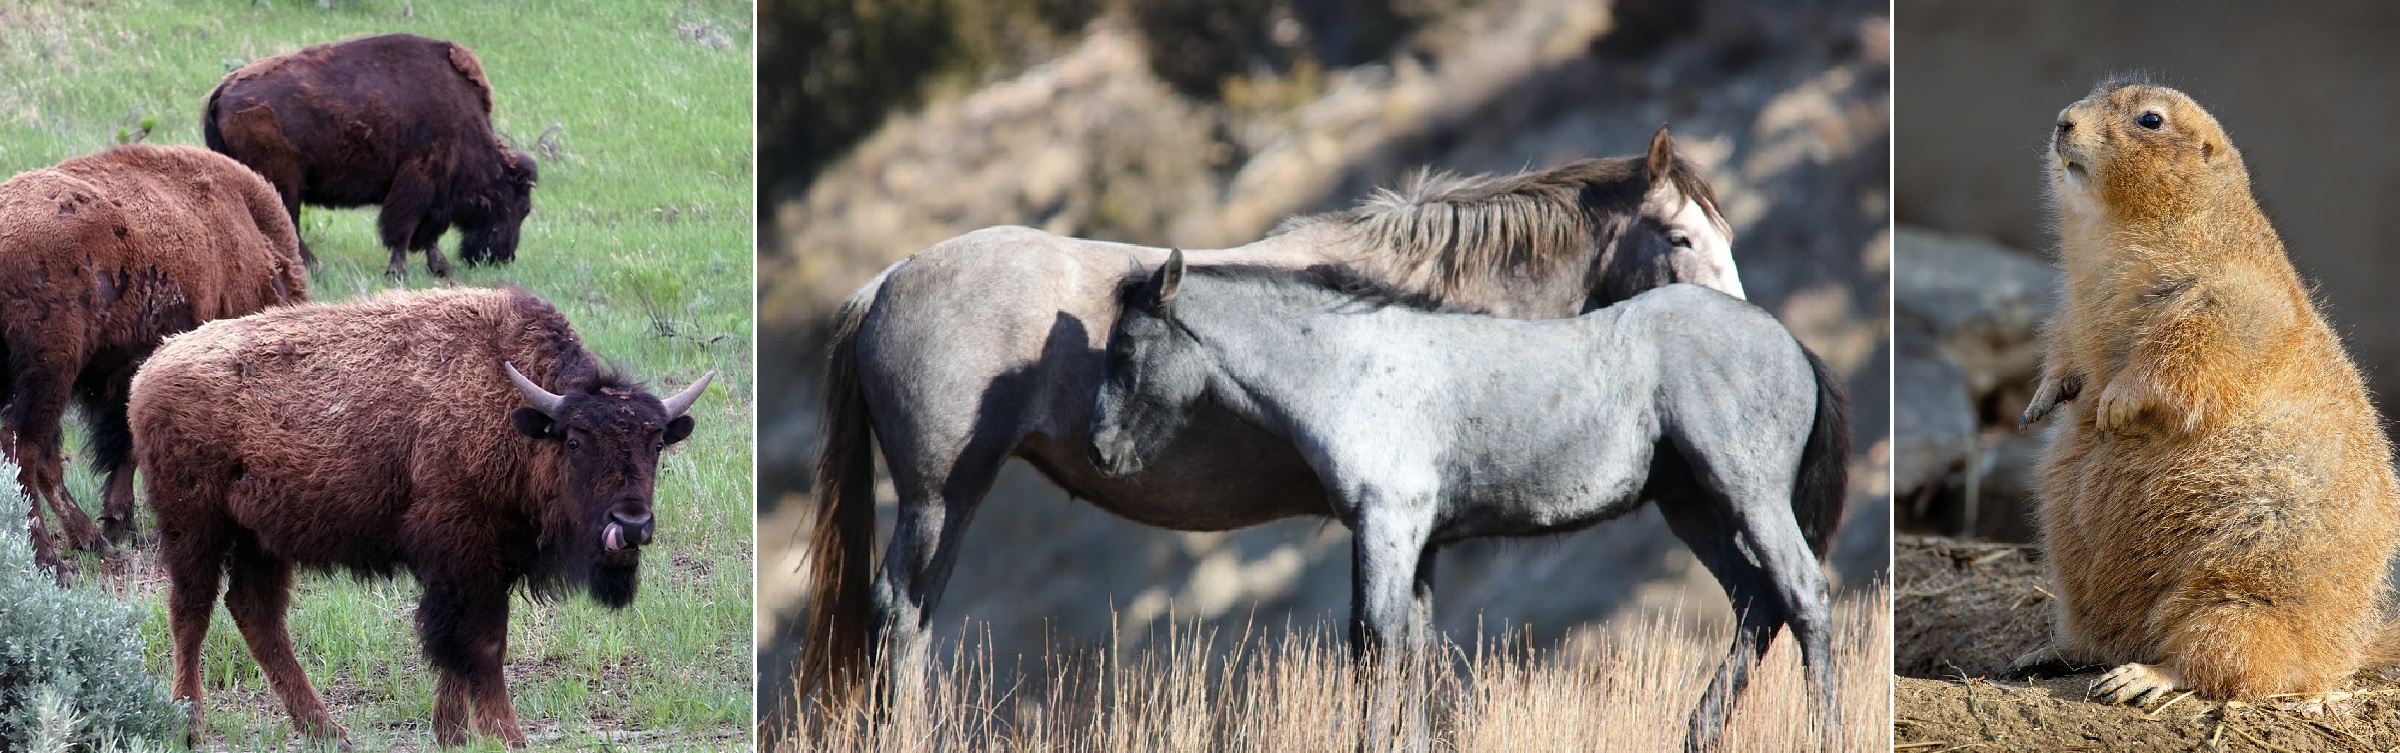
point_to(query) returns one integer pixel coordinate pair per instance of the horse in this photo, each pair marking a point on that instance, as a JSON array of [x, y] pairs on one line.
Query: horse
[[987, 346], [1426, 426]]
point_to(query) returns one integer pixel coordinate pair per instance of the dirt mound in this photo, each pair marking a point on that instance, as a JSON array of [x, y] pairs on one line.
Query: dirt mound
[[1963, 609]]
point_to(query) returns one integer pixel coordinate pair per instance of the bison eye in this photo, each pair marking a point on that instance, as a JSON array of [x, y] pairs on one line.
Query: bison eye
[[658, 446], [573, 445], [2150, 120]]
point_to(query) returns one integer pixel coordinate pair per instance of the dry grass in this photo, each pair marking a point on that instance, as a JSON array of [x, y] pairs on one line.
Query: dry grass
[[1617, 687]]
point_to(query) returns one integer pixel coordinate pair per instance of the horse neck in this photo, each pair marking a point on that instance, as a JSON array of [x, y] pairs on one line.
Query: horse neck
[[1252, 333], [1308, 245]]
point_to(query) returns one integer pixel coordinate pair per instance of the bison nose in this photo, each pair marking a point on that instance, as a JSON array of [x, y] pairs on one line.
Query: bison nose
[[637, 524]]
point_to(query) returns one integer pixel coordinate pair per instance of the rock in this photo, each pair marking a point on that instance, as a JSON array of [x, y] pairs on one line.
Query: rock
[[1966, 318]]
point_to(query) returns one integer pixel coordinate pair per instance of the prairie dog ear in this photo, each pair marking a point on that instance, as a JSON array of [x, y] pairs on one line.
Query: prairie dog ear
[[1662, 154]]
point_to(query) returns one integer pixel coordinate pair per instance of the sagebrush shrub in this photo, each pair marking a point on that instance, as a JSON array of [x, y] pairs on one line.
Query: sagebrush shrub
[[71, 673]]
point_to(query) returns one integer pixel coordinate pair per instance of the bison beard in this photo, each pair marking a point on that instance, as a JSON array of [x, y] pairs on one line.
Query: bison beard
[[262, 455]]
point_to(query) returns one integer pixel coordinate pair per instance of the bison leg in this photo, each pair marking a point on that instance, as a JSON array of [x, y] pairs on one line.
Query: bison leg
[[428, 240], [407, 208], [465, 629], [260, 593], [116, 504], [45, 549], [112, 447], [193, 561], [33, 415]]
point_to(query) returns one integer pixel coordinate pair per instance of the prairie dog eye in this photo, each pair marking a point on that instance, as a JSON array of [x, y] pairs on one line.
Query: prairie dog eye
[[2150, 120]]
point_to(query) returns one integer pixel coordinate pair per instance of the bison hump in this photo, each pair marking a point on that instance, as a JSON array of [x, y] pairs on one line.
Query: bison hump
[[464, 60]]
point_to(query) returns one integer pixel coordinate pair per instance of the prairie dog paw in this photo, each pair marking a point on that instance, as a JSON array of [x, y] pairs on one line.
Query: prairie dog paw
[[2052, 391], [2137, 684], [2120, 403], [2048, 661]]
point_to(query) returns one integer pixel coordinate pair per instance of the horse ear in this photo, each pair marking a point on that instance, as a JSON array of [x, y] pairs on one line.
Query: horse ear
[[1662, 154], [1169, 277]]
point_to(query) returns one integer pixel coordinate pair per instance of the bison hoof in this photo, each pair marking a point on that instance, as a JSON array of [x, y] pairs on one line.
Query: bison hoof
[[396, 273], [116, 531]]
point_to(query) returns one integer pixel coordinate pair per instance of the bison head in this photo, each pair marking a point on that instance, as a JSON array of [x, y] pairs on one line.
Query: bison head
[[488, 226], [609, 434]]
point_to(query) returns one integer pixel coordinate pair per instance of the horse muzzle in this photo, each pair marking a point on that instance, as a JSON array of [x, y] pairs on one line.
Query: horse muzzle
[[1114, 459]]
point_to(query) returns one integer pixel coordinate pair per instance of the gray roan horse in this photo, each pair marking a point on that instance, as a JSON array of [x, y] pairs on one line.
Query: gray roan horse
[[1426, 427], [988, 346]]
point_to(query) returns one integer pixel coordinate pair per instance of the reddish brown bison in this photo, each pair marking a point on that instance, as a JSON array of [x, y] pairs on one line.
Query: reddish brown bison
[[413, 431], [396, 120], [101, 258]]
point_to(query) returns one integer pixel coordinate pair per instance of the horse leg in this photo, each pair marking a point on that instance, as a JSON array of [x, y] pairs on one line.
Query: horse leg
[[1391, 602], [258, 596], [935, 509], [1708, 529], [1782, 586]]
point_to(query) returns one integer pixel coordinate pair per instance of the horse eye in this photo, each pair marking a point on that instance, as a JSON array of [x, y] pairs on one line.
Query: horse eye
[[1679, 239], [2151, 120]]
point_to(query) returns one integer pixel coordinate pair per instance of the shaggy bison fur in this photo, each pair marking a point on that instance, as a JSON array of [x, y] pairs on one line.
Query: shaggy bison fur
[[397, 120], [101, 257], [393, 433]]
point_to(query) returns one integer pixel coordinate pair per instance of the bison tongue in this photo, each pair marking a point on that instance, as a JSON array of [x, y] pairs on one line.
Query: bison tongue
[[612, 538]]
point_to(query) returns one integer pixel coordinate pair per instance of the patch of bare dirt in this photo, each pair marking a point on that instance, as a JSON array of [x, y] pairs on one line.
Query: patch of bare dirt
[[1963, 610]]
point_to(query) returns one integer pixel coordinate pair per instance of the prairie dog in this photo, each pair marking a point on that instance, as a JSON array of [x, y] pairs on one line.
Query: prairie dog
[[2218, 502]]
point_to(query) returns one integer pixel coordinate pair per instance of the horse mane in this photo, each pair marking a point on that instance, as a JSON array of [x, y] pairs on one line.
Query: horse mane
[[1470, 239]]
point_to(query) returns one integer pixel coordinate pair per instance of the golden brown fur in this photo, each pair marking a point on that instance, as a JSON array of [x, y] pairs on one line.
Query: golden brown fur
[[2218, 502], [101, 257]]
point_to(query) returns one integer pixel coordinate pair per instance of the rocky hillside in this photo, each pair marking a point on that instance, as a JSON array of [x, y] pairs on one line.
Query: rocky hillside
[[1785, 106]]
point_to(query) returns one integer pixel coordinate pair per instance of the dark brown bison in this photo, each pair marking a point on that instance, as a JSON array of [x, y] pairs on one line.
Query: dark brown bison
[[397, 120], [101, 258], [411, 431]]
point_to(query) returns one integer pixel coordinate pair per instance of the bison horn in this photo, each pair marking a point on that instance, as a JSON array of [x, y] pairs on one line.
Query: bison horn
[[682, 401], [541, 399]]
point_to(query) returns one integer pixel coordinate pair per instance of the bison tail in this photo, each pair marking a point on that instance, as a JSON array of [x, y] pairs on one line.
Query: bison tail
[[838, 646], [1823, 489]]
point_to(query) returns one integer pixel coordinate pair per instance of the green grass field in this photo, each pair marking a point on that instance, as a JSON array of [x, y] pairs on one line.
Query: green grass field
[[639, 113]]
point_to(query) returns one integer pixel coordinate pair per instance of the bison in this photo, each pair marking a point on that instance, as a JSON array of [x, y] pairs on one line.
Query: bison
[[408, 430], [102, 257], [397, 120]]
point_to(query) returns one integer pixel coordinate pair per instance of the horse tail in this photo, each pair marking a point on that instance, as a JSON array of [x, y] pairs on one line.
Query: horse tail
[[837, 649], [1823, 488]]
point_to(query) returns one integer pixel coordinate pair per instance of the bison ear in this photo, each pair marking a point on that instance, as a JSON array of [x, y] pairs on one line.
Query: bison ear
[[532, 422], [679, 429]]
